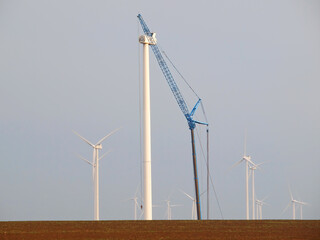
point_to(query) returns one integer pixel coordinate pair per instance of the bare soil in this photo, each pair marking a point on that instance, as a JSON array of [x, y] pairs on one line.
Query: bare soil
[[185, 229]]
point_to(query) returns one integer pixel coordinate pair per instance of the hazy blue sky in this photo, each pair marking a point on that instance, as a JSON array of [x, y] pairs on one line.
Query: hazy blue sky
[[74, 65]]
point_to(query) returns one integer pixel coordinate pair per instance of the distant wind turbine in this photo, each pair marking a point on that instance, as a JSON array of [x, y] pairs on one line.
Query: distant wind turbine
[[194, 217], [301, 204], [169, 206], [95, 164], [293, 202], [253, 167], [136, 204], [259, 204], [247, 160]]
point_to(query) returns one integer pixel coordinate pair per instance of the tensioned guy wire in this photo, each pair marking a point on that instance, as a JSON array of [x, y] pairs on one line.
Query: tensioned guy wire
[[179, 72], [214, 190]]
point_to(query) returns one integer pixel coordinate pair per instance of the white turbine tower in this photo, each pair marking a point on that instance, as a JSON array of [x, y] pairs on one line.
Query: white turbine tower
[[194, 217], [95, 164], [247, 160], [147, 186]]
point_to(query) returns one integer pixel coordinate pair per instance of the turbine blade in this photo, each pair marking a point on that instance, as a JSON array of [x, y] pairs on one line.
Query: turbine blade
[[87, 141], [82, 158], [303, 203], [264, 203], [261, 202], [290, 193], [176, 205], [187, 195], [203, 193], [245, 143], [102, 139], [135, 195], [265, 198], [236, 164], [94, 164], [260, 165], [142, 212], [285, 208], [105, 154], [156, 206], [252, 163], [248, 158]]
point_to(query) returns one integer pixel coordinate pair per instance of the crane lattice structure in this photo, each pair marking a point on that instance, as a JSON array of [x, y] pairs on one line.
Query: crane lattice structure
[[181, 102]]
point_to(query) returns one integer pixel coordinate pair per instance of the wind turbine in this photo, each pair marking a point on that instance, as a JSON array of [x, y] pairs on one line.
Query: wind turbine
[[301, 203], [136, 204], [169, 206], [95, 164], [259, 204], [253, 167], [247, 160], [293, 202], [194, 217]]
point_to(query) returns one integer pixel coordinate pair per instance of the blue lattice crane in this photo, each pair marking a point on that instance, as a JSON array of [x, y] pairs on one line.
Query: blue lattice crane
[[181, 102]]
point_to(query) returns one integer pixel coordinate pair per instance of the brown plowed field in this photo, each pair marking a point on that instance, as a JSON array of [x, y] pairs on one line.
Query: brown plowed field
[[212, 229]]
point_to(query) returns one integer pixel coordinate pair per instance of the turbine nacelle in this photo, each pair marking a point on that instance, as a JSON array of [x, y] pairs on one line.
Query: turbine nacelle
[[248, 159], [260, 202], [254, 166], [151, 40], [98, 146]]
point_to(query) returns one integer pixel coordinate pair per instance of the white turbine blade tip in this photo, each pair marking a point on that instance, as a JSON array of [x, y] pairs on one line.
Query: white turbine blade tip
[[187, 195], [105, 154], [108, 135], [258, 165], [82, 158], [290, 193], [236, 164], [285, 209], [303, 203], [252, 163], [87, 141]]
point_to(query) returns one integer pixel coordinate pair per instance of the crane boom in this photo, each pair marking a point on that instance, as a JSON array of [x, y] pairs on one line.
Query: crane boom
[[168, 76], [181, 102]]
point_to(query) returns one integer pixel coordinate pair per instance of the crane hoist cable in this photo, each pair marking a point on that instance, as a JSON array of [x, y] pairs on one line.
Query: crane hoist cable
[[164, 53], [210, 176]]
